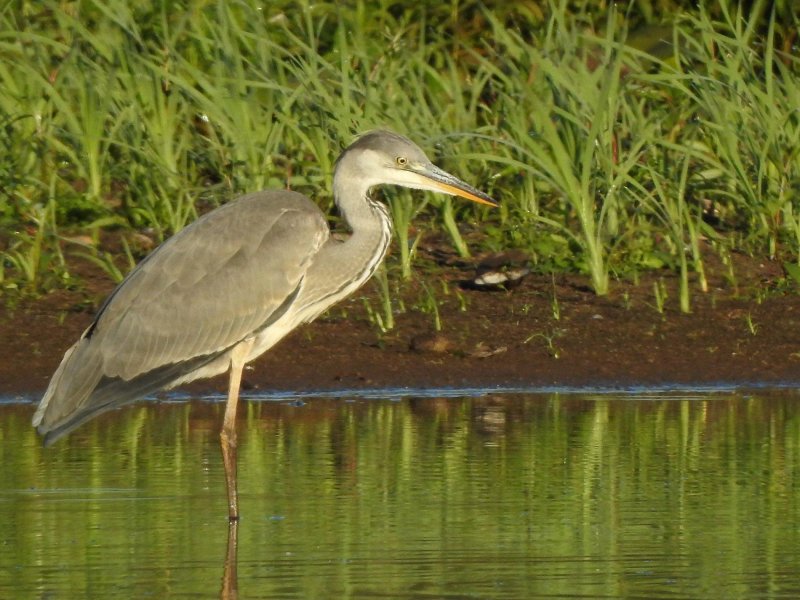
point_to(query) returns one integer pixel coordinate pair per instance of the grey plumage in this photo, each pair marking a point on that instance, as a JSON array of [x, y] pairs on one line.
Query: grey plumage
[[228, 287], [164, 322]]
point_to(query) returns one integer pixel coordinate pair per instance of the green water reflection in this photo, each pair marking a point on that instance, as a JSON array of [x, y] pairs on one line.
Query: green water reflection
[[497, 497]]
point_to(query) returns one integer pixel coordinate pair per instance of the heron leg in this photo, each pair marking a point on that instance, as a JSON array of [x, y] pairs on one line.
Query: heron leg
[[228, 437]]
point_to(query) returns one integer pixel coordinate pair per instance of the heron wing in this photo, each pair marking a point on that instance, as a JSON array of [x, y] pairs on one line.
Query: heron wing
[[212, 285], [204, 290]]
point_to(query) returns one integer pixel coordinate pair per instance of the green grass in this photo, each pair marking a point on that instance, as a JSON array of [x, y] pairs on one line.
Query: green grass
[[604, 153]]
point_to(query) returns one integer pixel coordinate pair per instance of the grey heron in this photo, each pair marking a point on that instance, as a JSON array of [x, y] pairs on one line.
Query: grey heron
[[228, 287]]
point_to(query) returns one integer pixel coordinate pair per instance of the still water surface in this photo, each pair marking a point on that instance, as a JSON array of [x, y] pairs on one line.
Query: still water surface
[[515, 496]]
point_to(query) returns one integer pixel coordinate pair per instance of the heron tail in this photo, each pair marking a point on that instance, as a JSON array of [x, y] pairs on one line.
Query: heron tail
[[79, 391]]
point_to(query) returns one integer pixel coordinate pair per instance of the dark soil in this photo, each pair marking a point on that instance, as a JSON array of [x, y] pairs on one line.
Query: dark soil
[[544, 332]]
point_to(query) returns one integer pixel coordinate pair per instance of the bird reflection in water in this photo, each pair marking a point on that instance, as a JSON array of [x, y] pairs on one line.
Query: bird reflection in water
[[230, 576]]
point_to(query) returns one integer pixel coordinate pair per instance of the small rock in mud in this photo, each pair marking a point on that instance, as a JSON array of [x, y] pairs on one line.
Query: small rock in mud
[[481, 350], [433, 343]]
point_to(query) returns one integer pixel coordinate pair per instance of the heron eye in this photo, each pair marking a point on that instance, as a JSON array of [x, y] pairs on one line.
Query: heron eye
[[401, 161]]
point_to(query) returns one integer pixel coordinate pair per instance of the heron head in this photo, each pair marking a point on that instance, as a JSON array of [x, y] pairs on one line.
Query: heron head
[[384, 157]]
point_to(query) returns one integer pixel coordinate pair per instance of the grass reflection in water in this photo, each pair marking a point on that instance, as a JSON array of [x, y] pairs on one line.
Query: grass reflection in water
[[499, 496]]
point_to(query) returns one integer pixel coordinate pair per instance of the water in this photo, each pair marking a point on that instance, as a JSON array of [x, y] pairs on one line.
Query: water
[[515, 496]]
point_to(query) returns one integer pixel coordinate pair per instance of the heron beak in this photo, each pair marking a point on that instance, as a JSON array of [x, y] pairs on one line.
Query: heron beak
[[434, 178]]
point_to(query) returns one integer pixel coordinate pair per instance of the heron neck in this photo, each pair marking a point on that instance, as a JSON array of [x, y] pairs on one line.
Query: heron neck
[[339, 268], [351, 193], [367, 219], [342, 267]]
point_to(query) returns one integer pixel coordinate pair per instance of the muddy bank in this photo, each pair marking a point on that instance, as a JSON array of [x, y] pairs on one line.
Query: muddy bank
[[541, 333]]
